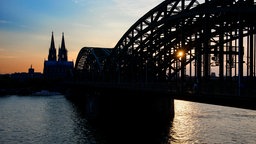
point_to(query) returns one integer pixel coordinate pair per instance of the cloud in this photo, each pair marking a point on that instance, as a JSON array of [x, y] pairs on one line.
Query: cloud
[[4, 21], [77, 1], [82, 25], [7, 57], [5, 54], [81, 3], [136, 7]]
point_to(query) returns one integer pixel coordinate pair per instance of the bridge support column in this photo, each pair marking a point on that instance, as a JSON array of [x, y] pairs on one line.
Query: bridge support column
[[206, 38], [240, 56], [221, 49], [251, 52], [198, 70]]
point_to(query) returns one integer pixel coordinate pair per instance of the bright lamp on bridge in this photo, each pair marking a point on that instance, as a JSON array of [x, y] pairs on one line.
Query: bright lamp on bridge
[[180, 53]]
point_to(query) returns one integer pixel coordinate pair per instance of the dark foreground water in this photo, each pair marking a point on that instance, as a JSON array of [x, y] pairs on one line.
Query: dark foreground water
[[54, 119]]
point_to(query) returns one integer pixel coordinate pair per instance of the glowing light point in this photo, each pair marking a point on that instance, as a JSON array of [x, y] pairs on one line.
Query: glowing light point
[[180, 54]]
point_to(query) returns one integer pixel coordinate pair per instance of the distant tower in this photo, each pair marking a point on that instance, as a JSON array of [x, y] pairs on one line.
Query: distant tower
[[52, 51], [31, 70], [62, 51]]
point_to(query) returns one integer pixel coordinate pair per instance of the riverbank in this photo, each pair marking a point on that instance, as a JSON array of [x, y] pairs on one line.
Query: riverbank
[[9, 86], [245, 102]]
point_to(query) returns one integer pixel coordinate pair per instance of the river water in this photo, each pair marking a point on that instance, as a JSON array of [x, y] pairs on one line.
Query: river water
[[54, 119]]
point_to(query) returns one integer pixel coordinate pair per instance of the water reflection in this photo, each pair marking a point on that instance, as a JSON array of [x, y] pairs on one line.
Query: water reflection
[[184, 124], [30, 119], [127, 130], [205, 123], [192, 123], [56, 120]]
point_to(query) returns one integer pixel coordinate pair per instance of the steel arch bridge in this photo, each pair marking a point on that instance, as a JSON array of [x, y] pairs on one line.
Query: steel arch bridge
[[180, 38], [90, 62]]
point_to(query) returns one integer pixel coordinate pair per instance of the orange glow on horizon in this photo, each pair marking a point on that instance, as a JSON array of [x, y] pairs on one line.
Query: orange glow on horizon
[[15, 65], [18, 59], [21, 63]]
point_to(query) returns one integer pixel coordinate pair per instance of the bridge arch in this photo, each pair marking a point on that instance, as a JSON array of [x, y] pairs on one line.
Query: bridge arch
[[90, 61], [148, 50], [210, 34]]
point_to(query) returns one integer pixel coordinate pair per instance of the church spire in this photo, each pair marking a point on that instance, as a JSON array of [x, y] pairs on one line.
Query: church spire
[[63, 42], [52, 42], [52, 50], [62, 50]]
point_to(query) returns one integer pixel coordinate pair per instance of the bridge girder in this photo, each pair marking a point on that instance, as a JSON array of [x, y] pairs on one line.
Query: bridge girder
[[148, 50], [149, 47], [90, 61]]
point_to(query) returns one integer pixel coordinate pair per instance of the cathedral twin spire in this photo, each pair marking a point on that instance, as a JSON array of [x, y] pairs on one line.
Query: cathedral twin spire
[[62, 54], [52, 50]]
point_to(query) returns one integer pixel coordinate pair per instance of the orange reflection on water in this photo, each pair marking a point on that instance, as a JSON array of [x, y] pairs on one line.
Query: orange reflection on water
[[183, 129]]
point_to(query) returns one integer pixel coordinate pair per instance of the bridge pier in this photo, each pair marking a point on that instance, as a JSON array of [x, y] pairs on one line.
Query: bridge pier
[[124, 111], [116, 104]]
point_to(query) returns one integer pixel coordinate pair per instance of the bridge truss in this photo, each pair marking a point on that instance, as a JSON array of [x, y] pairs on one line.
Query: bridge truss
[[90, 62], [182, 38]]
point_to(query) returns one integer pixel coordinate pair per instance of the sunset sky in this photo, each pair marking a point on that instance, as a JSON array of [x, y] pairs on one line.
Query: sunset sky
[[26, 27]]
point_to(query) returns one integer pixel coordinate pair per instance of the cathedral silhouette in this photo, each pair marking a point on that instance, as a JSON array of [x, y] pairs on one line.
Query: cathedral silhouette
[[58, 67]]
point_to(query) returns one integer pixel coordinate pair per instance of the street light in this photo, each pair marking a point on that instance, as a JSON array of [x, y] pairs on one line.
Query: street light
[[180, 53], [180, 56]]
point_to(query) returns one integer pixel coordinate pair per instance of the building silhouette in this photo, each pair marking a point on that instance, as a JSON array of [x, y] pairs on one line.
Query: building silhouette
[[58, 67], [27, 76]]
